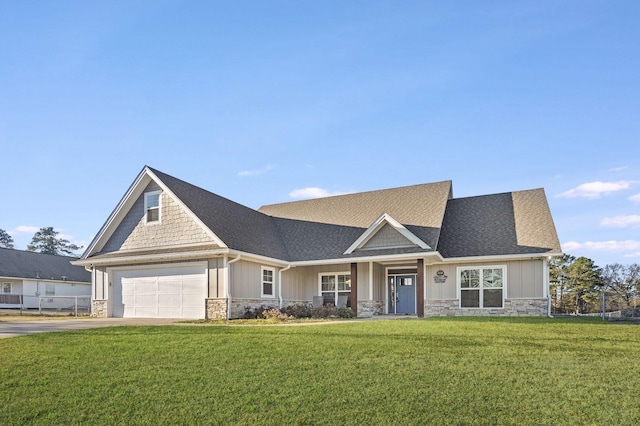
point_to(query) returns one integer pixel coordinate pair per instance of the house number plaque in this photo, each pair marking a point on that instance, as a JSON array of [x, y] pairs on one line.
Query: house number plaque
[[440, 277]]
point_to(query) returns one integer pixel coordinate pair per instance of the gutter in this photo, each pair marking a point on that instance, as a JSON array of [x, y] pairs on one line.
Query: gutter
[[149, 258], [228, 283], [280, 284]]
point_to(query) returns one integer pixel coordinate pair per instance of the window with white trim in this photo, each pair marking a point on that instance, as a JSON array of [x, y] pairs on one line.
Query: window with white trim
[[334, 285], [268, 281], [6, 288], [152, 206], [50, 290], [482, 287]]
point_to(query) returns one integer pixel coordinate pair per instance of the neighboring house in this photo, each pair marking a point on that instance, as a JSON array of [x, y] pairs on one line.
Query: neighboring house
[[25, 276], [171, 249]]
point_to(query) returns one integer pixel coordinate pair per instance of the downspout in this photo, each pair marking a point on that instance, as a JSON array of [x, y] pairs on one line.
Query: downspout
[[229, 262], [280, 285], [545, 273]]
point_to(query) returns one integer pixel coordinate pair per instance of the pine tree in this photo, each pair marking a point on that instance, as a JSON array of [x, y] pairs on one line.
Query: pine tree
[[6, 240], [46, 241]]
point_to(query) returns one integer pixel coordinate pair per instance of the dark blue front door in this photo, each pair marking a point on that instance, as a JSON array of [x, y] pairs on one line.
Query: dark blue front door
[[402, 294]]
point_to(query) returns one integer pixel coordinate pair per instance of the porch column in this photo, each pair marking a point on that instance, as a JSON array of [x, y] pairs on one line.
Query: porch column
[[354, 289], [420, 289]]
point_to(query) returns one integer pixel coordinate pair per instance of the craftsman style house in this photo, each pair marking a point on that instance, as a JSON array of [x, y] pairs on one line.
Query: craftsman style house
[[173, 250]]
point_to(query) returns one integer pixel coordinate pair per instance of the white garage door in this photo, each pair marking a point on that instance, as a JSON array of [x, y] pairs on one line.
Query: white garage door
[[174, 291]]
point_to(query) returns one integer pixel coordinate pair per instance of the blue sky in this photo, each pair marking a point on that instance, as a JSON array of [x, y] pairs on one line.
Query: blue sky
[[270, 101]]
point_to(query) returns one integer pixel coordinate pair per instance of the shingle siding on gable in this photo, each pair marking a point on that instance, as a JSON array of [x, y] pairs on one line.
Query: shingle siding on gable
[[387, 236], [176, 227]]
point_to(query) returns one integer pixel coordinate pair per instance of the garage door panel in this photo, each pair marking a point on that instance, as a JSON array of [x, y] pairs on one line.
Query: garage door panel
[[144, 312], [168, 312], [172, 292], [145, 300], [190, 299]]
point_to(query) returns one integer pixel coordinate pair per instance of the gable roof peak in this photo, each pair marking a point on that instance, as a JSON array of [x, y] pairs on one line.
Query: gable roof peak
[[377, 225]]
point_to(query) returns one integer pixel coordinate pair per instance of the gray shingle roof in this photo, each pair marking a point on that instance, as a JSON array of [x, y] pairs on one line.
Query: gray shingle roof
[[419, 207], [240, 227], [498, 224], [32, 265]]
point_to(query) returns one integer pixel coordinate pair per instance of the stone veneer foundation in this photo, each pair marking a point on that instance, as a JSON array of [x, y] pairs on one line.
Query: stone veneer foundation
[[369, 308], [216, 308], [239, 306], [99, 308], [512, 308]]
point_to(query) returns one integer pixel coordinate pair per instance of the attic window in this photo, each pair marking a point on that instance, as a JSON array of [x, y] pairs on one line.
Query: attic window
[[152, 206]]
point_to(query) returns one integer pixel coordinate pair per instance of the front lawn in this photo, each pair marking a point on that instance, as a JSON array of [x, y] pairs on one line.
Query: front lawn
[[436, 371]]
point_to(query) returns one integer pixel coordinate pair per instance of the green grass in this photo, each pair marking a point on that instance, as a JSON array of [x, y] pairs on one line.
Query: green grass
[[436, 371]]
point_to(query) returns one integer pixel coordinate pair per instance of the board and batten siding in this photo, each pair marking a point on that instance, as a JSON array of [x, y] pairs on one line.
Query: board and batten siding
[[387, 237], [363, 281], [100, 283], [301, 283], [246, 280], [176, 227], [216, 277], [379, 282], [524, 279]]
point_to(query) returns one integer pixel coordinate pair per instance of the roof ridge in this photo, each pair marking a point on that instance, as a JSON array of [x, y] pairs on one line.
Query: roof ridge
[[37, 252], [155, 171], [359, 193], [235, 237], [497, 193]]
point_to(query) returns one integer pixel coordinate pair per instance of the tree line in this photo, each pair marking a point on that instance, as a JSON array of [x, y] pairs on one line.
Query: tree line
[[577, 285], [45, 240]]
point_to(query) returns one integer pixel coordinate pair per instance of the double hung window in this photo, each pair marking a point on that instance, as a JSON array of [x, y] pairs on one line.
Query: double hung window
[[482, 287], [152, 206], [268, 282], [335, 287]]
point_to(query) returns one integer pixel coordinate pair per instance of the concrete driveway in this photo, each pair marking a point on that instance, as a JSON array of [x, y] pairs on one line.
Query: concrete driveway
[[20, 328]]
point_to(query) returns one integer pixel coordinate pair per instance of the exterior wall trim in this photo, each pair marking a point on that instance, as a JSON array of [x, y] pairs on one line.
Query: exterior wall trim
[[501, 257], [411, 257], [151, 258]]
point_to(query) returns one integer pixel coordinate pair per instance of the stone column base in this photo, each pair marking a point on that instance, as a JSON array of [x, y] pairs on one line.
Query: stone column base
[[369, 308], [99, 308], [216, 308]]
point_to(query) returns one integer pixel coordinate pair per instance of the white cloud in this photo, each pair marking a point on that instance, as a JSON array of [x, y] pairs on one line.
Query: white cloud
[[256, 172], [635, 199], [596, 189], [636, 254], [602, 245], [621, 221], [24, 229], [312, 192], [618, 169]]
